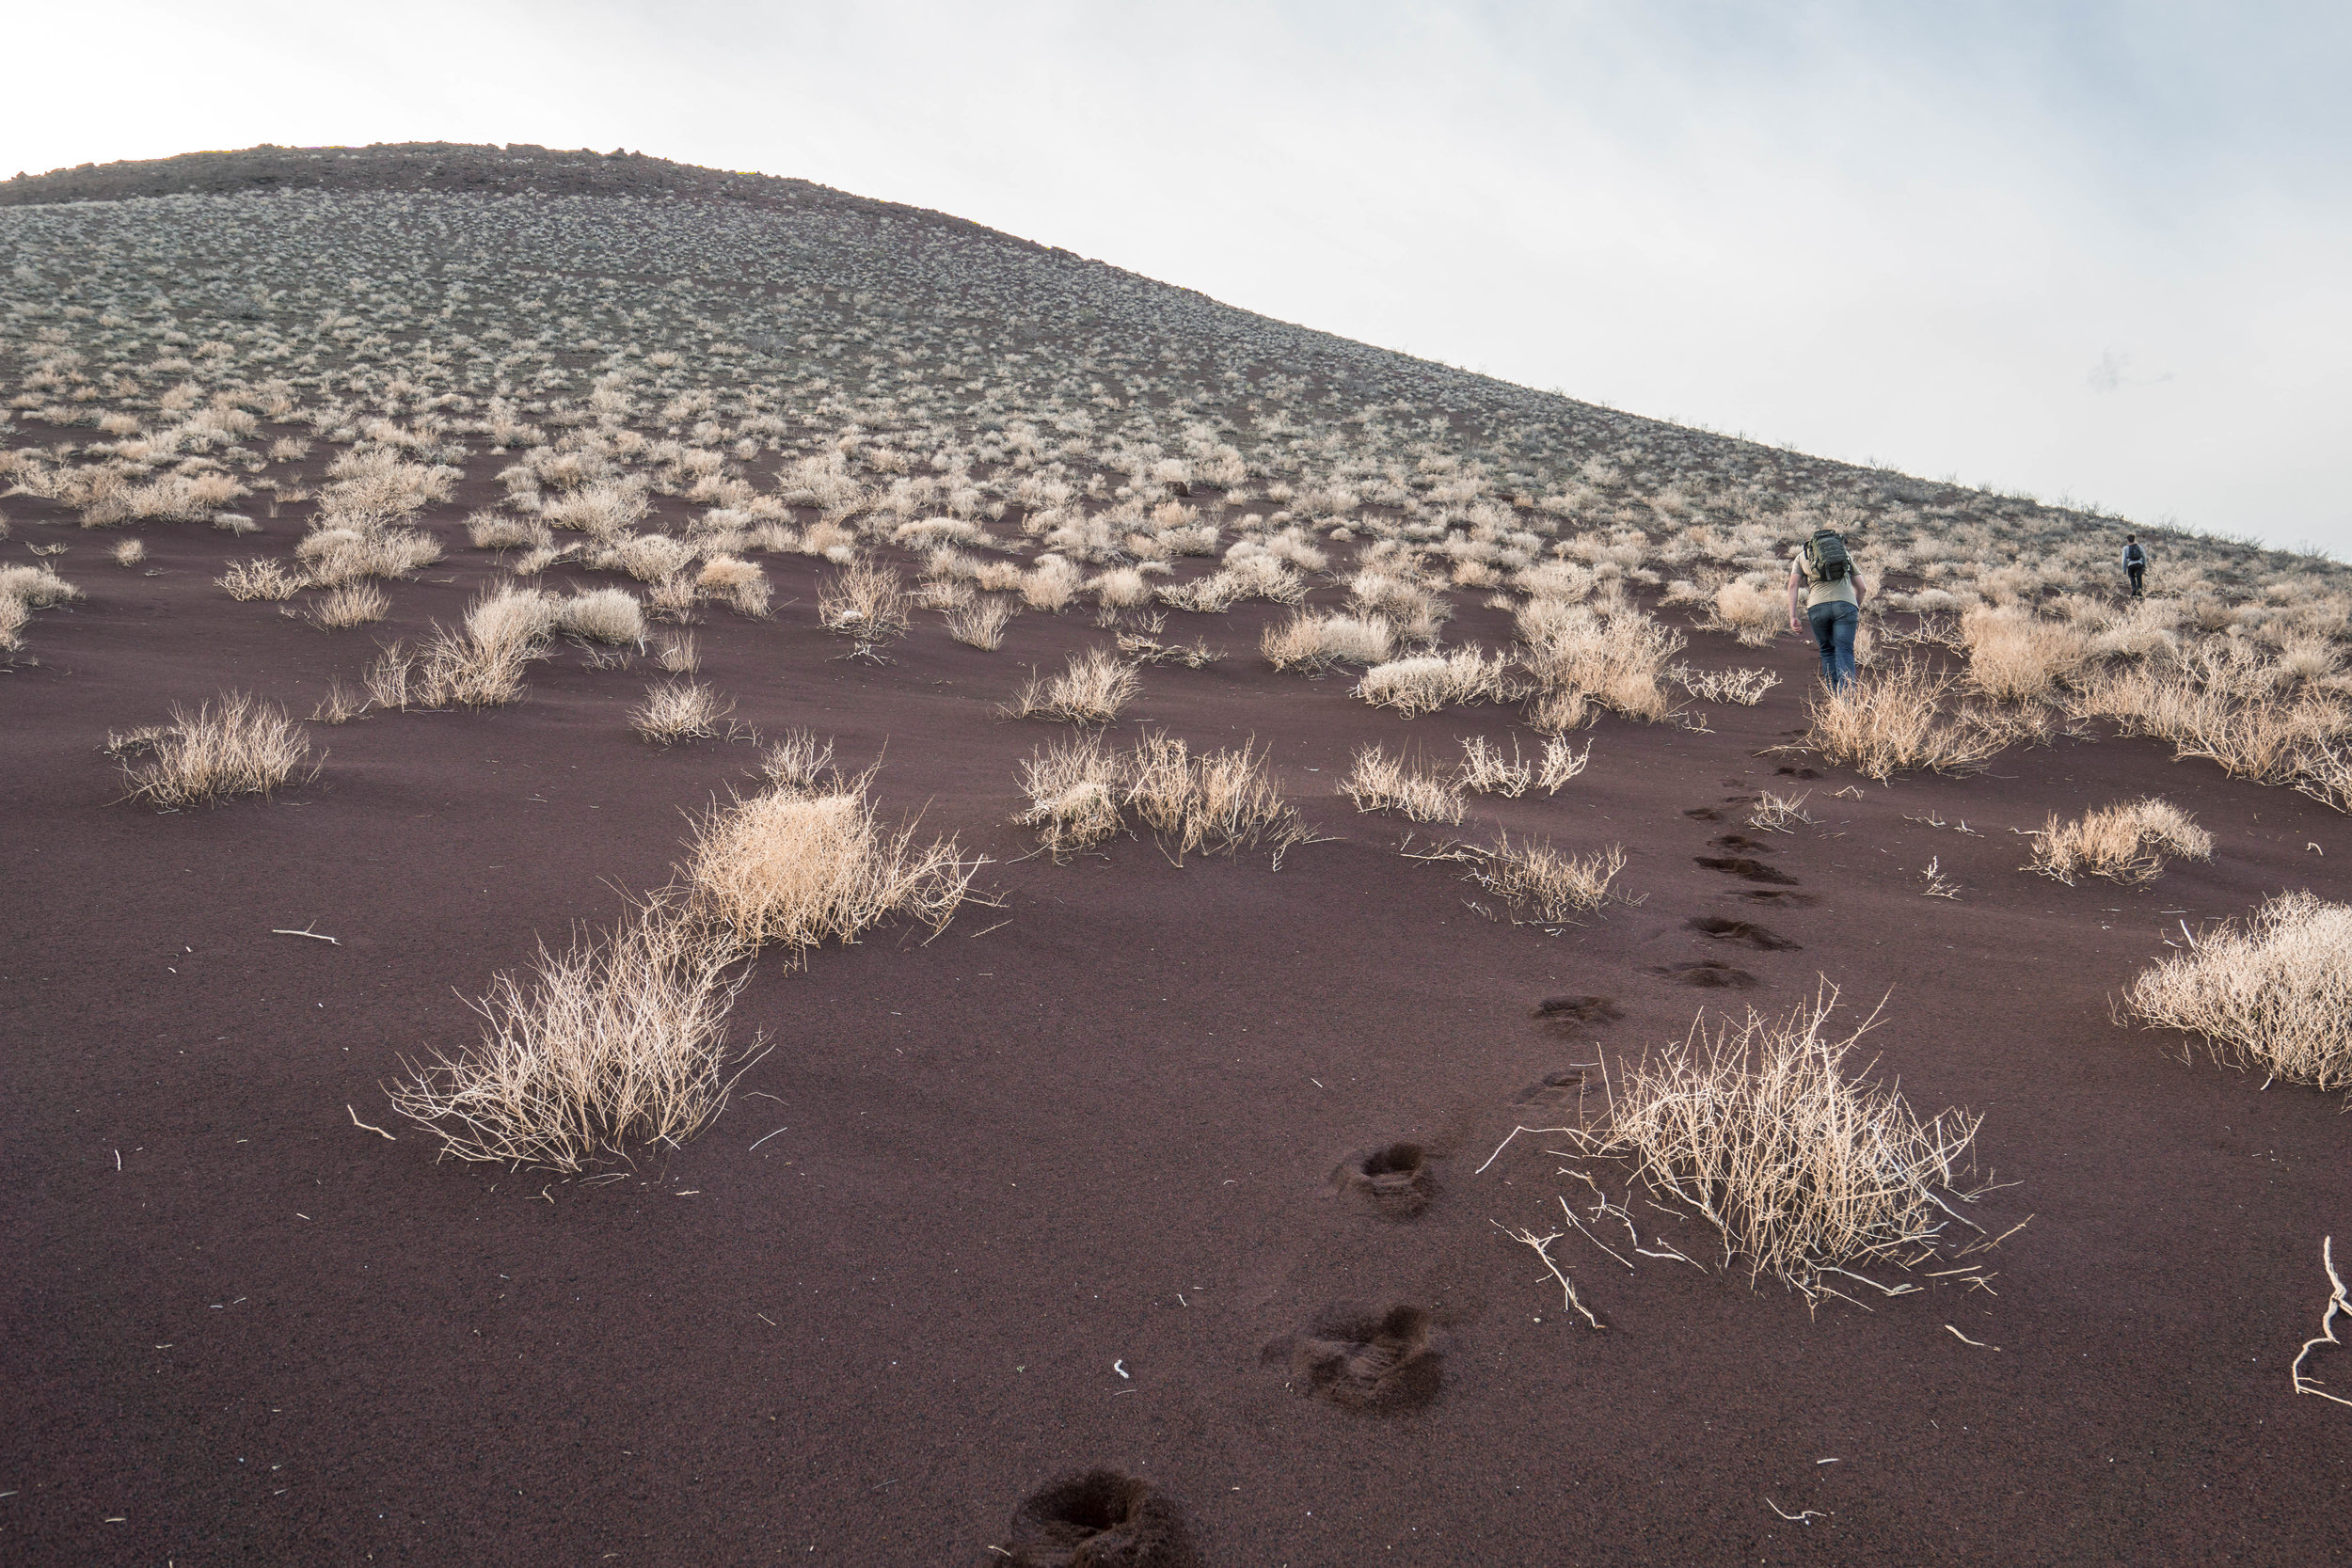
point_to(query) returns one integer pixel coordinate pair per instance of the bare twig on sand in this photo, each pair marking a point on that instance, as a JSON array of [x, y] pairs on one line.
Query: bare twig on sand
[[314, 936], [2338, 1303], [369, 1127], [1541, 1246]]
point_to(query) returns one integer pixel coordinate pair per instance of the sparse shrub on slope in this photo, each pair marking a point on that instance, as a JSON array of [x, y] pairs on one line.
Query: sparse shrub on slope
[[1427, 682], [1091, 690], [245, 747], [1807, 1170], [2276, 995], [1894, 721], [1581, 657], [2122, 843], [619, 1038], [1379, 781], [2015, 656], [1080, 792], [795, 870]]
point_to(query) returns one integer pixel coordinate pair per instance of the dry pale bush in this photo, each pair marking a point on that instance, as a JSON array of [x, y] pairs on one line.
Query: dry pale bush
[[1076, 789], [678, 654], [1320, 641], [341, 704], [1893, 722], [1221, 802], [1779, 813], [12, 618], [1091, 690], [1561, 762], [740, 582], [353, 605], [1579, 656], [2221, 700], [36, 587], [1805, 1170], [1486, 770], [801, 869], [1382, 782], [1534, 875], [2017, 656], [261, 579], [249, 747], [1124, 586], [130, 552], [867, 601], [2276, 995], [675, 711], [619, 1038], [1050, 585], [333, 555], [1427, 682], [489, 530], [2122, 843], [673, 600], [1754, 615], [481, 666], [612, 616], [647, 557], [799, 764], [982, 623], [1744, 687]]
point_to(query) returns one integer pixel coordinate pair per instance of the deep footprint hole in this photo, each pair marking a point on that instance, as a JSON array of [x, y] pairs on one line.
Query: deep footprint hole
[[1706, 973], [1372, 1358], [1743, 930], [1745, 866], [1098, 1519], [1394, 1179], [1578, 1009]]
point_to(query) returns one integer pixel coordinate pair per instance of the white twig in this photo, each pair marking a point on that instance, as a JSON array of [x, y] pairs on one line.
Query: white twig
[[378, 1131], [2340, 1302], [314, 936], [1506, 1143], [1802, 1516], [1540, 1244], [1965, 1341]]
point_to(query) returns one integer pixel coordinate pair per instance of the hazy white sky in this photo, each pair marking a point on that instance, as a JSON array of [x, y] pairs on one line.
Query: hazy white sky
[[2097, 251]]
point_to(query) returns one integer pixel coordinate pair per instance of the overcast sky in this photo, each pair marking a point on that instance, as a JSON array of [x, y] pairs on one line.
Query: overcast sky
[[2090, 251]]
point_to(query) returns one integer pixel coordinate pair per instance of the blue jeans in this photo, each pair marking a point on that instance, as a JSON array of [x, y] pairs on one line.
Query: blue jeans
[[1834, 626]]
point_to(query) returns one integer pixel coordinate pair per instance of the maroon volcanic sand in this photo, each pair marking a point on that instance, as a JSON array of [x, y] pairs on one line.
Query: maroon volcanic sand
[[1067, 1188]]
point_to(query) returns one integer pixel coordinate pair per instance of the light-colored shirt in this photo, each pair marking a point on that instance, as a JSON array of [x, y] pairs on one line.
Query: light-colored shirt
[[1817, 591]]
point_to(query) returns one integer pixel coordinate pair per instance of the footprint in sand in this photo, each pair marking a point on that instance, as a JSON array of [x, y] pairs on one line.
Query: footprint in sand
[[1745, 931], [1394, 1180], [1747, 867], [1557, 1088], [1578, 1009], [1097, 1519], [1707, 972], [1365, 1358], [1742, 843]]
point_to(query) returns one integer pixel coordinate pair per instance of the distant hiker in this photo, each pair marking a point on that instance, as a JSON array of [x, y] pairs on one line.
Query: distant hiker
[[1833, 602], [2134, 562]]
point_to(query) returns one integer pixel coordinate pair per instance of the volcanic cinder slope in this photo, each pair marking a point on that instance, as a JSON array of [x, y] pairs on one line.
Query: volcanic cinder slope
[[1172, 1165]]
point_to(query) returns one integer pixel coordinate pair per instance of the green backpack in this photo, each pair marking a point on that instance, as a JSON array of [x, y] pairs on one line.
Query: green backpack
[[1825, 556]]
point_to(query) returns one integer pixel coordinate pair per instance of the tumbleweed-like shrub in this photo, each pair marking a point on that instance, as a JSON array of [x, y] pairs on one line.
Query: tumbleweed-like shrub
[[2275, 995], [245, 747], [1806, 1169]]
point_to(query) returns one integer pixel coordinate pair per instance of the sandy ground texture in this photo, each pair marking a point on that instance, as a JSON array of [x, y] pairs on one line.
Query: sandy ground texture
[[1055, 1191]]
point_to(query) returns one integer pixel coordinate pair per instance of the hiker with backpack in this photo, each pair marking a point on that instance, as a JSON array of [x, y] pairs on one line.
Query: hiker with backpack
[[2134, 562], [1833, 593]]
